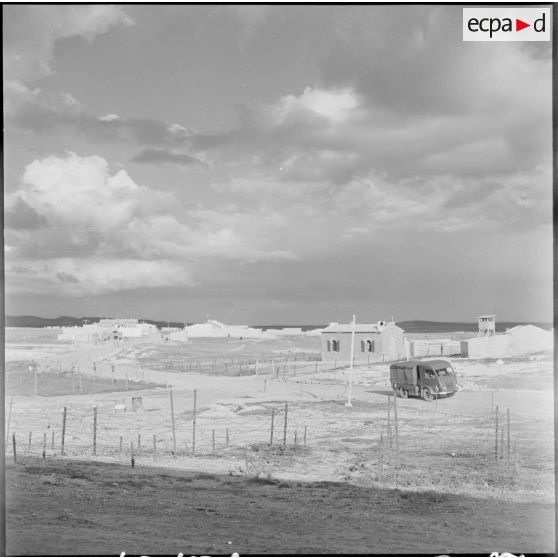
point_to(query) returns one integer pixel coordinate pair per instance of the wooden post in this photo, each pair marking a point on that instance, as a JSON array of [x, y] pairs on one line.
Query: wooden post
[[95, 430], [295, 438], [154, 447], [265, 385], [63, 432], [509, 439], [173, 425], [126, 380], [502, 440], [52, 439], [240, 369], [272, 368], [9, 420], [380, 457], [285, 426], [213, 440], [316, 367], [14, 445], [227, 438], [120, 445], [112, 369], [271, 432], [396, 421], [44, 445], [496, 436], [305, 436], [29, 444], [132, 460], [139, 444], [388, 415], [194, 425]]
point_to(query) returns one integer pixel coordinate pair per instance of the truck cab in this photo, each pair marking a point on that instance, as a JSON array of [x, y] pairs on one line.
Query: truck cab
[[428, 379]]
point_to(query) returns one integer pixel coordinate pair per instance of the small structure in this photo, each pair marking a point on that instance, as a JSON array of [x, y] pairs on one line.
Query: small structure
[[434, 347], [487, 325], [214, 328], [379, 342], [519, 340]]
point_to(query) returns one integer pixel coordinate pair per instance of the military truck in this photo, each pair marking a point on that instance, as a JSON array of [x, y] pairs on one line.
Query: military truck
[[428, 379]]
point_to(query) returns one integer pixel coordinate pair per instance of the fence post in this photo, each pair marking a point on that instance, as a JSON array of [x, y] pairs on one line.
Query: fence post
[[173, 426], [502, 439], [132, 460], [139, 444], [14, 445], [53, 439], [295, 438], [305, 436], [29, 444], [380, 457], [120, 445], [44, 445], [9, 420], [194, 424], [271, 434], [95, 430], [63, 432], [396, 421], [388, 417], [509, 440], [496, 436], [285, 426]]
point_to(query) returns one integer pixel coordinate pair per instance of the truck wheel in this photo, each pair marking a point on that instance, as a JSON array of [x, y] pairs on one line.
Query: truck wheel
[[403, 393], [426, 394]]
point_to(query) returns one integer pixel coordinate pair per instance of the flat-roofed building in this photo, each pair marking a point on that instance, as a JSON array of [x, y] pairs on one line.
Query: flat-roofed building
[[377, 342]]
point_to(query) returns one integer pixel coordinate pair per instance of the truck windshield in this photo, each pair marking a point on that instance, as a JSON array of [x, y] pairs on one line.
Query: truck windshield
[[444, 371]]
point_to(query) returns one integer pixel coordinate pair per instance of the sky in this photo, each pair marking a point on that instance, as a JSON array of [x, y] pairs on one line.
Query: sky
[[274, 164]]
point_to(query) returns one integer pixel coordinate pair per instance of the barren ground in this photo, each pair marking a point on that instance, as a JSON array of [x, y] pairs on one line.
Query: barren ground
[[444, 472]]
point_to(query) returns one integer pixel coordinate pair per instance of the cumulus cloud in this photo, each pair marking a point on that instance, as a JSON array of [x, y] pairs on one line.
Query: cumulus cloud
[[31, 33], [101, 231]]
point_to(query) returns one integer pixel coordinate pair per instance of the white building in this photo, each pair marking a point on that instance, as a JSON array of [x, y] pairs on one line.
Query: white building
[[213, 328]]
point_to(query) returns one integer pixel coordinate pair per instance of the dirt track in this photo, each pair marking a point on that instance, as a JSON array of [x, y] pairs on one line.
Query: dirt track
[[83, 508]]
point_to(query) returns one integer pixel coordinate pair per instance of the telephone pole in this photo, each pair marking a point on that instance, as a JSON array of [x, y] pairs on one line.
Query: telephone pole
[[349, 403]]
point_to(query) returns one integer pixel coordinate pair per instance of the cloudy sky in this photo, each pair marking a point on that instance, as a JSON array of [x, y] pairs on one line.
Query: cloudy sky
[[274, 164]]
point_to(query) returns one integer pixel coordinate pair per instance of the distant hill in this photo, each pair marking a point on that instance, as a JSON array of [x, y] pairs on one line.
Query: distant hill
[[413, 326], [422, 326], [68, 321]]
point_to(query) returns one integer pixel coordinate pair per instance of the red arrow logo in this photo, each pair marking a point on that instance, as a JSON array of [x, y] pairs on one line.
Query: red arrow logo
[[519, 25]]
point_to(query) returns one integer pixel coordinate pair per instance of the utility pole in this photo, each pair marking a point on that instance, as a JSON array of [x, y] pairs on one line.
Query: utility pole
[[349, 403]]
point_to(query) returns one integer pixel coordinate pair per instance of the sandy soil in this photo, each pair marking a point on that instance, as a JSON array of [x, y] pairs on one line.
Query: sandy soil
[[445, 447], [71, 508]]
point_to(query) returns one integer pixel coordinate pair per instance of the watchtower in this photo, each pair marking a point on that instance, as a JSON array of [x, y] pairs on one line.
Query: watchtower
[[487, 325]]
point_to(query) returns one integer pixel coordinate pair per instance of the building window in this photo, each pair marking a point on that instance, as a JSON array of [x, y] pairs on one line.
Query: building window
[[370, 346], [335, 345]]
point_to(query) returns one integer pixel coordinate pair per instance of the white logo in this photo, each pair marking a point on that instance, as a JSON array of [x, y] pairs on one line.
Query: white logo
[[506, 24]]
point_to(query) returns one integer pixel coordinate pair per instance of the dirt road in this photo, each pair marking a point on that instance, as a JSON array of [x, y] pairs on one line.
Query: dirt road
[[83, 508]]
